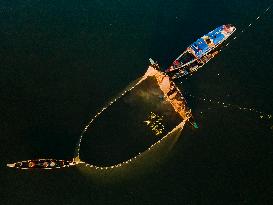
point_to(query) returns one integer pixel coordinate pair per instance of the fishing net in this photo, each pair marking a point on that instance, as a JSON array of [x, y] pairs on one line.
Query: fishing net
[[140, 117]]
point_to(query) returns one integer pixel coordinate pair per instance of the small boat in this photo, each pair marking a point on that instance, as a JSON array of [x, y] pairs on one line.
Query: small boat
[[42, 164], [200, 52]]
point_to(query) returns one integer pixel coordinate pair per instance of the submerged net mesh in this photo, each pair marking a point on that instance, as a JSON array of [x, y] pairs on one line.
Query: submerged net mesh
[[129, 125]]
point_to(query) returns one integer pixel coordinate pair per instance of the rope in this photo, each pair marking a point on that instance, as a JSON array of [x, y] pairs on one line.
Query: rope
[[251, 24], [262, 115]]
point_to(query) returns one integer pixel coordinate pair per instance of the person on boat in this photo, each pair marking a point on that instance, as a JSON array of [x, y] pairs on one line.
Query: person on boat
[[31, 164], [45, 164], [176, 63], [52, 164]]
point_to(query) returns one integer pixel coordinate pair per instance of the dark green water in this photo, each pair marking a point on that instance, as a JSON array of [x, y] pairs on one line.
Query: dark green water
[[61, 61]]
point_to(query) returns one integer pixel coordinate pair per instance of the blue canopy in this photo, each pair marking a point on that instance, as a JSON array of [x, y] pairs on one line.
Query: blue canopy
[[216, 36], [200, 47]]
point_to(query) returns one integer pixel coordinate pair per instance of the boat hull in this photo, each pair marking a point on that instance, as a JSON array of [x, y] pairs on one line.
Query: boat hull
[[200, 52], [42, 164]]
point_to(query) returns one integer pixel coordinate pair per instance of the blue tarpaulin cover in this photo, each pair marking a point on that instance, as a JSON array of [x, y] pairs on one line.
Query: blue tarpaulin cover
[[200, 47], [216, 35]]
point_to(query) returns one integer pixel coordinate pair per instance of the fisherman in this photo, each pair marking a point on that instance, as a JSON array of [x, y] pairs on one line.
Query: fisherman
[[31, 164], [45, 164], [176, 63]]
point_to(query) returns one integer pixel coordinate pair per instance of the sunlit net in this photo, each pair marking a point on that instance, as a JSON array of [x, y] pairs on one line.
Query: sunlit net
[[143, 115], [133, 122]]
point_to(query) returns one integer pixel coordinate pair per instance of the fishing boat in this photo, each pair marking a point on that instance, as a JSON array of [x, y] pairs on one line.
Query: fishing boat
[[200, 52], [42, 164]]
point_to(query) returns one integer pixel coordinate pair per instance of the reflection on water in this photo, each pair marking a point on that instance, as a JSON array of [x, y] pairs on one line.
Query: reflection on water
[[154, 122]]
